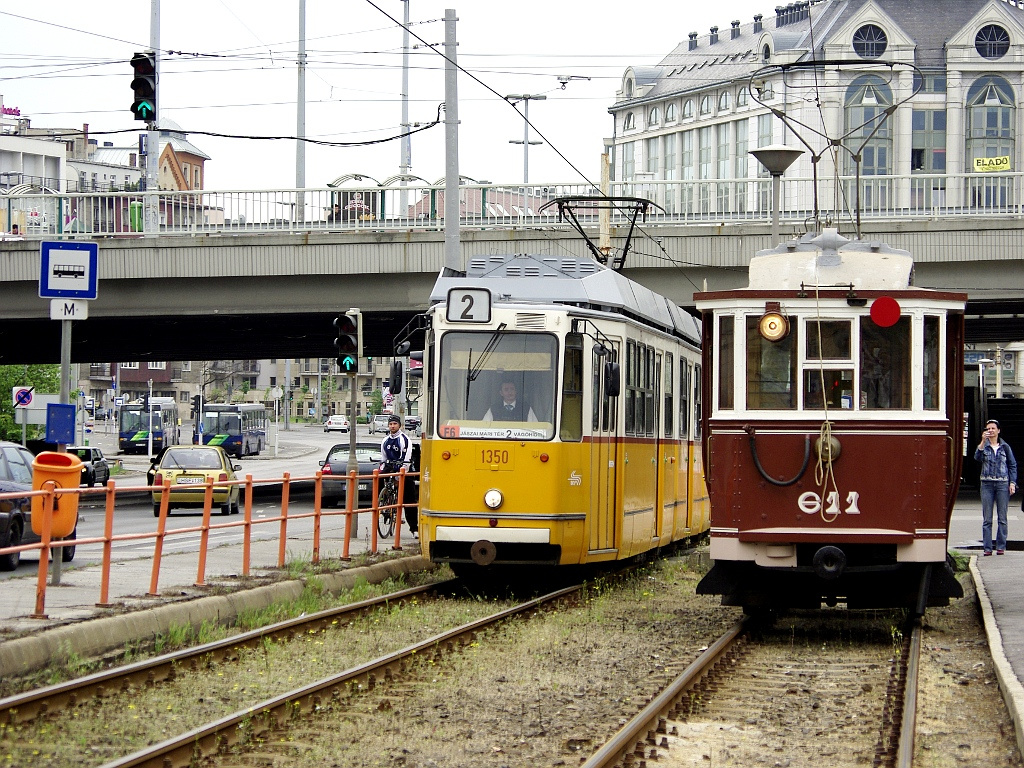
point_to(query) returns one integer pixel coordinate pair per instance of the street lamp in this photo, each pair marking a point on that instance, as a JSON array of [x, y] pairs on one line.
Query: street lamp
[[981, 374], [776, 158], [526, 98]]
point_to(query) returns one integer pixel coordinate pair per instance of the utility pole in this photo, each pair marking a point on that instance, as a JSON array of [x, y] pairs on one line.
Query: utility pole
[[299, 214], [526, 98], [452, 249], [405, 164], [287, 392], [151, 220]]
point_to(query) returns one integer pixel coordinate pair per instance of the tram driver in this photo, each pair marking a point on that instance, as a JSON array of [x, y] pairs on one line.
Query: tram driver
[[509, 406]]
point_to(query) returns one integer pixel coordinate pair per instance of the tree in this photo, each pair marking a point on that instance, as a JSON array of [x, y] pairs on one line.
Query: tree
[[376, 402], [45, 379]]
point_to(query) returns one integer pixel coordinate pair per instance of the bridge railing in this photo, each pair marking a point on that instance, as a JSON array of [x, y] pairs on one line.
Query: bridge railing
[[488, 206]]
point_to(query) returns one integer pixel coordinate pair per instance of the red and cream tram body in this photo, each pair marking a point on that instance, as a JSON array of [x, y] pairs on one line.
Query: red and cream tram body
[[833, 402], [598, 459]]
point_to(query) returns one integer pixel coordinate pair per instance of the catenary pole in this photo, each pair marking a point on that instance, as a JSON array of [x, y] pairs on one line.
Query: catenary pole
[[299, 214], [452, 251], [151, 217], [405, 164]]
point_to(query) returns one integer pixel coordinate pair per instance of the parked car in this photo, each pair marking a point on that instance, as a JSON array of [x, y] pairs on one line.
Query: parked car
[[95, 469], [187, 468], [339, 423], [16, 514], [379, 423], [411, 422], [335, 469]]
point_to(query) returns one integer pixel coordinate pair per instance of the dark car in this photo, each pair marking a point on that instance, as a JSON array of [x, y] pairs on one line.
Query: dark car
[[411, 422], [16, 514], [95, 469], [335, 468]]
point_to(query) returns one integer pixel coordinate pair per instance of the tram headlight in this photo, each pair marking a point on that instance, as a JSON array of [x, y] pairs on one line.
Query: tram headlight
[[493, 498], [773, 326]]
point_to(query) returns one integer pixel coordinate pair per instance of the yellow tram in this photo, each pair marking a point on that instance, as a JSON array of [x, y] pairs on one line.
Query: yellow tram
[[560, 417]]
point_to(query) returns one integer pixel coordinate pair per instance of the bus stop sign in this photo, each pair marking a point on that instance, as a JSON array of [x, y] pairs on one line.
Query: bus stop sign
[[67, 270]]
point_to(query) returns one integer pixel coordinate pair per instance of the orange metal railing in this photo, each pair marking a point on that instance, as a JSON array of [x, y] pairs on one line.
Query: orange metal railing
[[48, 547]]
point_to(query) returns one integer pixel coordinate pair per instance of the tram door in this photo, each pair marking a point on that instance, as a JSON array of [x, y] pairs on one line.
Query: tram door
[[604, 459]]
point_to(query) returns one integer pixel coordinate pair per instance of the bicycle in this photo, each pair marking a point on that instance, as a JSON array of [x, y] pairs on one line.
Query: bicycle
[[387, 502]]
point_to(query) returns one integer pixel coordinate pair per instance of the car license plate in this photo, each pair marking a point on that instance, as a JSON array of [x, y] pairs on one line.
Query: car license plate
[[364, 486], [190, 480]]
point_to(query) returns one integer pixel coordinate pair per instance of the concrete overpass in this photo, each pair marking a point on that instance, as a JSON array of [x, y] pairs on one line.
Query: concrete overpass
[[270, 295]]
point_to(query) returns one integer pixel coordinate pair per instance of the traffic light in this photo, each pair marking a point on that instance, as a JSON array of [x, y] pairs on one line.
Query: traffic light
[[349, 341], [144, 86], [197, 406], [145, 402]]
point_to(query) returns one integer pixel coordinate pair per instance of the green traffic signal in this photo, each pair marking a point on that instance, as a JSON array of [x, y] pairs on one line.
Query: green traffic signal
[[348, 363], [144, 86]]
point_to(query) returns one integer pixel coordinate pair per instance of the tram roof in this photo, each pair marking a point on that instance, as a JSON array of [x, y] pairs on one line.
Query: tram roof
[[829, 260], [535, 279]]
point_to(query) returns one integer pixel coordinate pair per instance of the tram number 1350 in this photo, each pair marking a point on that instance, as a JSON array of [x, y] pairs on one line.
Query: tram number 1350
[[810, 503], [494, 456]]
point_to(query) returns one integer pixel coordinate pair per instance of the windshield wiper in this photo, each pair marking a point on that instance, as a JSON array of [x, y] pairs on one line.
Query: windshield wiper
[[473, 371]]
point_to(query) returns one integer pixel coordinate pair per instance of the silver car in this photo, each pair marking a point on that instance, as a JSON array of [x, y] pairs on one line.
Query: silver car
[[379, 423]]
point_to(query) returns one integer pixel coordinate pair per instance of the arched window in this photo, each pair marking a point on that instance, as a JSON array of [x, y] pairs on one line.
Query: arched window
[[992, 41], [627, 88], [724, 101], [869, 41], [990, 119], [654, 116], [741, 97], [766, 53], [688, 108], [705, 105], [866, 100], [629, 122], [670, 113]]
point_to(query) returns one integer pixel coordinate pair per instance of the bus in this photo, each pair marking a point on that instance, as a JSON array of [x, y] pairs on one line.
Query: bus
[[239, 428], [135, 422]]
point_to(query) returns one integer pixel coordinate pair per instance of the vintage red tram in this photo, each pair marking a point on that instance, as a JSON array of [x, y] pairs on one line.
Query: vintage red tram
[[833, 412]]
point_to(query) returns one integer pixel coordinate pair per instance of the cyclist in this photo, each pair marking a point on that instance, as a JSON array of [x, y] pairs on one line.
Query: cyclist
[[396, 449]]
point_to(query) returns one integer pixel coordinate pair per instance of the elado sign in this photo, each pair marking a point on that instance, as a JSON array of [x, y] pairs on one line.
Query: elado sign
[[991, 164]]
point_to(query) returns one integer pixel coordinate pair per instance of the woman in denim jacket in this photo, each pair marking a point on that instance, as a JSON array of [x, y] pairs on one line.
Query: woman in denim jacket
[[998, 483]]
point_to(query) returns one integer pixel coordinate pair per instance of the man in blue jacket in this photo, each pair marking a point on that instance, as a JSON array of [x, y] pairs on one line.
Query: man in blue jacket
[[998, 483]]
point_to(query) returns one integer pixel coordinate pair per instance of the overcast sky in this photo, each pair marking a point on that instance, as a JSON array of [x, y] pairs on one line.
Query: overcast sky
[[232, 71]]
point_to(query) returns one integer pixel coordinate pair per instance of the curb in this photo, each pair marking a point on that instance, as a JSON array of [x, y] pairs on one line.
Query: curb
[[93, 638], [1009, 685]]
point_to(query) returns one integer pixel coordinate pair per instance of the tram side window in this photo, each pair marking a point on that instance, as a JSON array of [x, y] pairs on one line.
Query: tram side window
[[930, 389], [684, 398], [726, 361], [610, 406], [572, 389], [885, 365], [669, 374], [771, 369], [650, 385], [698, 395], [631, 384]]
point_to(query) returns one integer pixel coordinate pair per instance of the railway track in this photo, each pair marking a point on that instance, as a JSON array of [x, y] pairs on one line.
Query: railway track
[[25, 707], [254, 722], [839, 698]]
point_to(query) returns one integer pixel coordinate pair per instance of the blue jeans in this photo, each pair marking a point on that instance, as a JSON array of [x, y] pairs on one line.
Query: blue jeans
[[994, 492]]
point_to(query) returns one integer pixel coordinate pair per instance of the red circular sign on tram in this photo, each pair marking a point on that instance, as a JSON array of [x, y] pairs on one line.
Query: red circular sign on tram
[[885, 311]]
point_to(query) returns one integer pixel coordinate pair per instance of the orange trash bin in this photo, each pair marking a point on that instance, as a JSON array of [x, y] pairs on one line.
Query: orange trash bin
[[65, 470]]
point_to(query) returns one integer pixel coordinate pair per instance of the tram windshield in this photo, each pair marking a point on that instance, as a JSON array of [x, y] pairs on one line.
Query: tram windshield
[[497, 385]]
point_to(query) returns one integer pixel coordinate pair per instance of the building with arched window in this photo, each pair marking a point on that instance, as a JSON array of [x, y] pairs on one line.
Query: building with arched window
[[954, 69]]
